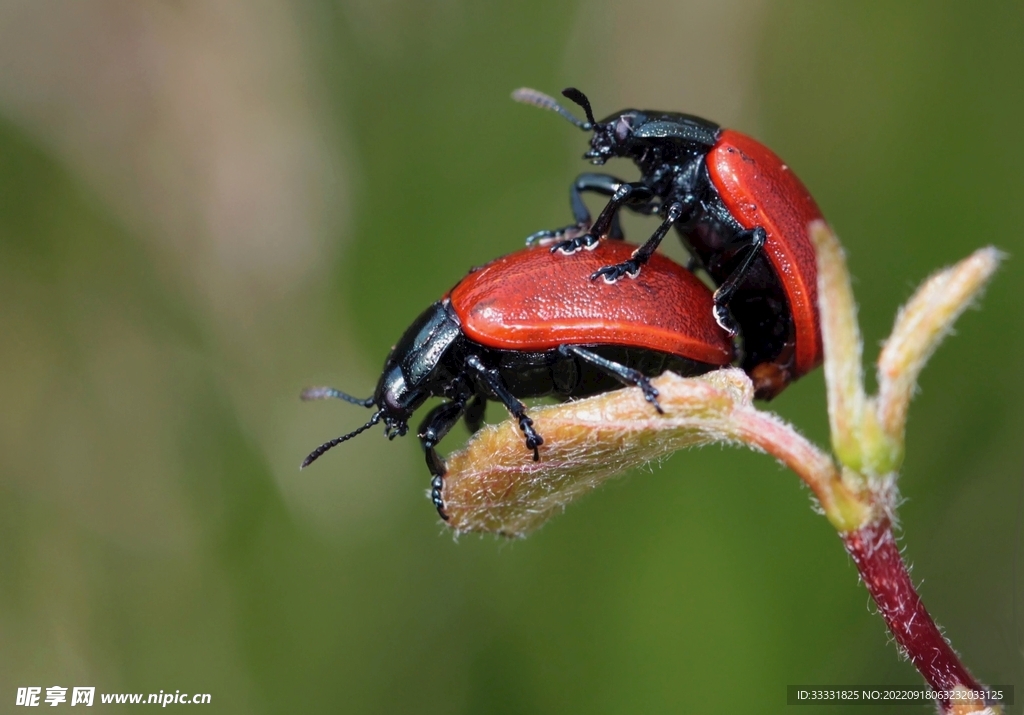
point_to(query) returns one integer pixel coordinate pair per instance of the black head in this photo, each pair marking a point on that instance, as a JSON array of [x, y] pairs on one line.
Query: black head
[[611, 136], [629, 133], [413, 372]]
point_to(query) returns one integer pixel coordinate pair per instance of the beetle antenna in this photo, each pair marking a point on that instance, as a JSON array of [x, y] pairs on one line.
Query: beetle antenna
[[539, 99], [318, 452], [581, 99], [325, 393]]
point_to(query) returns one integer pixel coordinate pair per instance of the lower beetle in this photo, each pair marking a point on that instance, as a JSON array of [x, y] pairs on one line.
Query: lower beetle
[[523, 327]]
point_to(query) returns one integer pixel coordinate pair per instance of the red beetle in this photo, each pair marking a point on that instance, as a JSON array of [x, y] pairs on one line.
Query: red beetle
[[529, 325], [737, 206]]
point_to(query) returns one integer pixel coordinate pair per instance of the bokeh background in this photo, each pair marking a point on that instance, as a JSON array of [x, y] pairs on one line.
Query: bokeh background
[[205, 207]]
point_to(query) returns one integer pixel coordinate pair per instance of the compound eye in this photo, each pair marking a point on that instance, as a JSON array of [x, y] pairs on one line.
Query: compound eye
[[622, 128]]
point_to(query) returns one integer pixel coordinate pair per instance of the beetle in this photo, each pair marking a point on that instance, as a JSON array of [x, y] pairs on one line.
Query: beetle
[[520, 327], [741, 212]]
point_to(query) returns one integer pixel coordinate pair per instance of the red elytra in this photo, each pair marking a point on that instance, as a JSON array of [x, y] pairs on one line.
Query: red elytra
[[665, 309], [758, 189]]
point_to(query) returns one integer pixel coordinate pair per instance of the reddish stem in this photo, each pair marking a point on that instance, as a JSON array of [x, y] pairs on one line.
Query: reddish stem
[[878, 559]]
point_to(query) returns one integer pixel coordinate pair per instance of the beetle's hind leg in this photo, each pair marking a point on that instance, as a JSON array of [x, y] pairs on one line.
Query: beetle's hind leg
[[628, 376]]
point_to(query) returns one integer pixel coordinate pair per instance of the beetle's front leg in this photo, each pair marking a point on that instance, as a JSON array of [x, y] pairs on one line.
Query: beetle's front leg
[[603, 184], [634, 194], [434, 427]]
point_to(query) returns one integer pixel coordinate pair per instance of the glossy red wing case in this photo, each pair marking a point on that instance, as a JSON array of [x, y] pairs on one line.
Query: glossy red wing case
[[534, 300], [760, 190]]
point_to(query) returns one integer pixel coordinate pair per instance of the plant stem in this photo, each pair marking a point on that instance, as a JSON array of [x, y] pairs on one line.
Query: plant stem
[[883, 571]]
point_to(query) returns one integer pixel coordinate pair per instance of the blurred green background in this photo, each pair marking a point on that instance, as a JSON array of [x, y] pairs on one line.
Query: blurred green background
[[205, 207]]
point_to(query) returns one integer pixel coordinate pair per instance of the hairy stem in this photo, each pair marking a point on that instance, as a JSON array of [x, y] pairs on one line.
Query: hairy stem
[[885, 575]]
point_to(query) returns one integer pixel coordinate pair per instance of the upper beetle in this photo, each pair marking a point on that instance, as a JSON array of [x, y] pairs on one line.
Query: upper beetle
[[521, 327], [741, 211]]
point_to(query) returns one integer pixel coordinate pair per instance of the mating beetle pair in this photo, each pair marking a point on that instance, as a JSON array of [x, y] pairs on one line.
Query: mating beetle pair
[[531, 324]]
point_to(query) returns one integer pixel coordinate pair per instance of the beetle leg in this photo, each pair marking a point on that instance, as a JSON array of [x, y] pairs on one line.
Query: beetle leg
[[643, 254], [631, 194], [753, 240], [475, 413], [492, 379], [626, 375], [603, 184], [434, 427], [615, 229], [635, 194]]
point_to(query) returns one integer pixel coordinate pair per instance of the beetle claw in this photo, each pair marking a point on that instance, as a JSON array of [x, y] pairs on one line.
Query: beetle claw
[[724, 320], [570, 246], [611, 274], [651, 395], [533, 440]]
